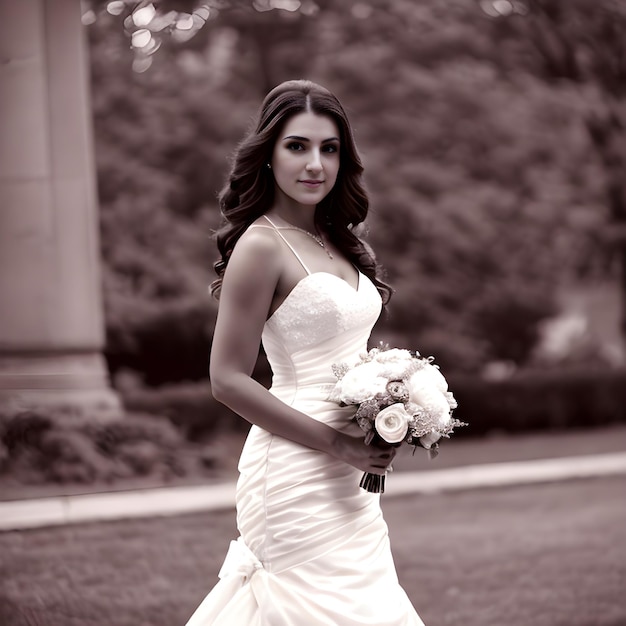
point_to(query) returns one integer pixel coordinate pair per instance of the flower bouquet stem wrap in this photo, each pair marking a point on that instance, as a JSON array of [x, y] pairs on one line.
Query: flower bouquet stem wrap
[[374, 483], [399, 397]]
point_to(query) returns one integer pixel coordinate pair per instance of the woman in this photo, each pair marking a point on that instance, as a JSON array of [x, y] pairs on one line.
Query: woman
[[313, 548]]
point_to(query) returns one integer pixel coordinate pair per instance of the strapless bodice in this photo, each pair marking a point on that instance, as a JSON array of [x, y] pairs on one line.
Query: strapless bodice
[[323, 320]]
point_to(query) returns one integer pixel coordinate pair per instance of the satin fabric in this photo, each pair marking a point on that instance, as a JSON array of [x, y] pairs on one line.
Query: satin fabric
[[313, 546]]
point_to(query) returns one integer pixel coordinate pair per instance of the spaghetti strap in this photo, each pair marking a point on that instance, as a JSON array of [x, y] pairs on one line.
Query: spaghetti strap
[[277, 229]]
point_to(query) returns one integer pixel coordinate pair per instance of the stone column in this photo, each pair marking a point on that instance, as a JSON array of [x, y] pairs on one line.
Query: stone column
[[51, 321]]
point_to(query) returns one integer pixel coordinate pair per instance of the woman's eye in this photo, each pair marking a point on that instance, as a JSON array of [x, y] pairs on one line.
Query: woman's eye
[[295, 146], [330, 148]]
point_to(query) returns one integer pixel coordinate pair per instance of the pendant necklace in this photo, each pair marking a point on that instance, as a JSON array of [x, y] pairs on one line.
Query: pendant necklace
[[316, 238]]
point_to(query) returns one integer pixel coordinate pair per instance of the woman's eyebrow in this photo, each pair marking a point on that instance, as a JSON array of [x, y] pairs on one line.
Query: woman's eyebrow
[[297, 138]]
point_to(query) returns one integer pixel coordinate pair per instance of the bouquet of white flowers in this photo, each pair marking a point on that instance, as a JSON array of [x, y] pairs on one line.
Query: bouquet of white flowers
[[400, 397]]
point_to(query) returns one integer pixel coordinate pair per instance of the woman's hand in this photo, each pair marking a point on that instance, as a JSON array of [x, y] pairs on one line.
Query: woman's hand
[[374, 458]]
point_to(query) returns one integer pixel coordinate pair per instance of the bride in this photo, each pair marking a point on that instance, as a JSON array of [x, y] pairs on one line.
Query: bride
[[313, 547]]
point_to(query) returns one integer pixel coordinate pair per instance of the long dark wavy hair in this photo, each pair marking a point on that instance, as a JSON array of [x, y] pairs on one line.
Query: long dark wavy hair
[[249, 192]]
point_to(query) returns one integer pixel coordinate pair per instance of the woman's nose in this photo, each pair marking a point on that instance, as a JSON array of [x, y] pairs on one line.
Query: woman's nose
[[315, 162]]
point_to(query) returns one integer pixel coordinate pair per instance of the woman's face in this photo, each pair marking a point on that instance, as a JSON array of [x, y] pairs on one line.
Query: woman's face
[[305, 160]]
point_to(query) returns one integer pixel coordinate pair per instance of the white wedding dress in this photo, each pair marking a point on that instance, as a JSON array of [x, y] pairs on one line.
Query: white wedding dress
[[313, 547]]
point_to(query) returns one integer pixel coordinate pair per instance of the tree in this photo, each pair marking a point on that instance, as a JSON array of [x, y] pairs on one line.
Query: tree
[[478, 176], [581, 42]]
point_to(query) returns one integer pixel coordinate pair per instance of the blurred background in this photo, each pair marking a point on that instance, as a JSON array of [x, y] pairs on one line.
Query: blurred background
[[493, 134]]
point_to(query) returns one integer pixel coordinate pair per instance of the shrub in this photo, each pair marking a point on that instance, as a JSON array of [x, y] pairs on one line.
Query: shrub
[[190, 407], [541, 401], [165, 341], [64, 446], [69, 456], [524, 402]]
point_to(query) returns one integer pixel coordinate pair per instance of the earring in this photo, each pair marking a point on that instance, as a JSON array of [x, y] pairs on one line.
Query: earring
[[269, 166]]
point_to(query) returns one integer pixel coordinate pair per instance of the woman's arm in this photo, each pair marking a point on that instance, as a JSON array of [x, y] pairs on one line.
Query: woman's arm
[[248, 288]]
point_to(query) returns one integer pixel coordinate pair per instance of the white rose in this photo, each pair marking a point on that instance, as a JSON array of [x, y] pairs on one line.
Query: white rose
[[392, 423]]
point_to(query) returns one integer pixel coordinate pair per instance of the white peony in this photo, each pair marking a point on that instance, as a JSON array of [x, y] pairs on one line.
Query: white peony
[[392, 423], [451, 400], [394, 363], [425, 390], [395, 354], [362, 383], [436, 377]]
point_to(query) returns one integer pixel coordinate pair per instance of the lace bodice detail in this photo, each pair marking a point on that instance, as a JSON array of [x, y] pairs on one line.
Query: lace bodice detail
[[323, 306], [322, 321]]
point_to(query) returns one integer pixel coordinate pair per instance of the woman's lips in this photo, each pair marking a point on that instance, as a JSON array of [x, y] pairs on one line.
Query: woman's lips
[[313, 184]]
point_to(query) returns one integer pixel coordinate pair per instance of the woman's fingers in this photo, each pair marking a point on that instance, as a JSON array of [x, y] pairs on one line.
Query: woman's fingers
[[368, 458], [388, 455], [381, 458]]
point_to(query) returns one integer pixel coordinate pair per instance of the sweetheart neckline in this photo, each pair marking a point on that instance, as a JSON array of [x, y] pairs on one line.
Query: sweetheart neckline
[[355, 290]]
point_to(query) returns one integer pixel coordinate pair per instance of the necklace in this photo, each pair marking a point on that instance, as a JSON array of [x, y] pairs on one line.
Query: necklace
[[316, 238]]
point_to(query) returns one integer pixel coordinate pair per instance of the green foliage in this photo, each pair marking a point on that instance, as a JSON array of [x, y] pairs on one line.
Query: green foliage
[[535, 554], [189, 406], [526, 402], [176, 430], [66, 447], [536, 401], [484, 195]]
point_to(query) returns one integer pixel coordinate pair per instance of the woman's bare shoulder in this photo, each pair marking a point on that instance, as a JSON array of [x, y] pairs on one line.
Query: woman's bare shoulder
[[258, 249]]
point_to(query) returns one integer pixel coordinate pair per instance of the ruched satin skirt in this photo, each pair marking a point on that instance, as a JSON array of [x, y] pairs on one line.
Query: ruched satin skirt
[[314, 548]]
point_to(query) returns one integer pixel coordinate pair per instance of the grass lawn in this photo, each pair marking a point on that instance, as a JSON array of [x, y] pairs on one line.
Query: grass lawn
[[540, 555]]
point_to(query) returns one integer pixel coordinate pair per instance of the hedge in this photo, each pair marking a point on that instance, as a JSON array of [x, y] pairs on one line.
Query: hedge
[[548, 400], [190, 407], [531, 401], [66, 446], [158, 435]]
